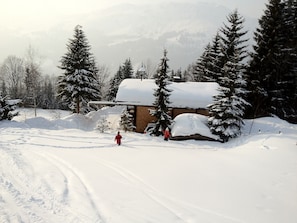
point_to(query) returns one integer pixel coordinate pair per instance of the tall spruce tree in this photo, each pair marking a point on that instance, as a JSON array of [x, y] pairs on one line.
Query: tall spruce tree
[[216, 56], [114, 84], [47, 97], [201, 71], [32, 82], [127, 69], [207, 67], [162, 93], [78, 85], [272, 70], [227, 111], [124, 71], [288, 80]]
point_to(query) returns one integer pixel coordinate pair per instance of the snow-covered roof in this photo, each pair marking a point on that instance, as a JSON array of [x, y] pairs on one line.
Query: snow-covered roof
[[183, 95]]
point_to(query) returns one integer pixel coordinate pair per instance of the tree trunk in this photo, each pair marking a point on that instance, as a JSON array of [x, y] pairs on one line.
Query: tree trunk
[[77, 105]]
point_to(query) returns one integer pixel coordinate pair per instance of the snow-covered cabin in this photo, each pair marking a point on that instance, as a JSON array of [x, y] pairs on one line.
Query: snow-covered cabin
[[186, 97]]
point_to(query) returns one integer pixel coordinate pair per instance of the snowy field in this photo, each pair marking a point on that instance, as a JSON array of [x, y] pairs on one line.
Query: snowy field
[[58, 168]]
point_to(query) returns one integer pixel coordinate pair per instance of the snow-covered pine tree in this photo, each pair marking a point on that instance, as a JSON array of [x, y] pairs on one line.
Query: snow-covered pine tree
[[126, 121], [33, 88], [124, 71], [286, 107], [294, 67], [216, 56], [7, 107], [114, 84], [201, 73], [47, 98], [227, 111], [102, 124], [207, 67], [272, 70], [162, 93], [127, 69], [78, 85]]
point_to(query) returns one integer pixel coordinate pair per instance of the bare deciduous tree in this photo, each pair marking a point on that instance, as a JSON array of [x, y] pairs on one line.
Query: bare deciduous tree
[[12, 72], [103, 76], [32, 76], [151, 69]]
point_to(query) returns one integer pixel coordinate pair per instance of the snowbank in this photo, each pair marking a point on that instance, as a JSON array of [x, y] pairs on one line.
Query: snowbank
[[60, 119]]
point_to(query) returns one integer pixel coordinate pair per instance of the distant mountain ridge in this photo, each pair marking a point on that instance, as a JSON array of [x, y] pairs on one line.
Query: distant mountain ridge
[[141, 32]]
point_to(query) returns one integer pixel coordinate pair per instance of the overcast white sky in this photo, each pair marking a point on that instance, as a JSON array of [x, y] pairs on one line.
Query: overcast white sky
[[48, 24]]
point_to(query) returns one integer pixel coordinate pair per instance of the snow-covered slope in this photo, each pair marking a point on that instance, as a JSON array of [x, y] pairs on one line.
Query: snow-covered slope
[[57, 168]]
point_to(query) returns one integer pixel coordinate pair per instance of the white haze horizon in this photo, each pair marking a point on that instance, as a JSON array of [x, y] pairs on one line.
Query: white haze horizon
[[117, 30]]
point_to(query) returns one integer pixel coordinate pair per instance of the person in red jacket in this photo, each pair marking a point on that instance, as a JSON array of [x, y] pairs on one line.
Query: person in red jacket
[[118, 138], [166, 134]]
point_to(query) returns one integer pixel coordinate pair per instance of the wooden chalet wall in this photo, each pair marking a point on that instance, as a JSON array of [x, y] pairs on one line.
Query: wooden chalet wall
[[143, 117], [178, 111]]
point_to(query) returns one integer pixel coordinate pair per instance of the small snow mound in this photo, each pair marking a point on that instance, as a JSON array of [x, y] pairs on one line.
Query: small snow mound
[[39, 122], [12, 124], [76, 121], [269, 125]]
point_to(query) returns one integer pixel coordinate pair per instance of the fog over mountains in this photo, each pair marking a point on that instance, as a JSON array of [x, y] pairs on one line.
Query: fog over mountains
[[139, 31]]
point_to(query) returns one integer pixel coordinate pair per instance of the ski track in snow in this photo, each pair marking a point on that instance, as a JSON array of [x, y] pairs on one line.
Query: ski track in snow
[[37, 198], [175, 207], [64, 168], [32, 198], [41, 197]]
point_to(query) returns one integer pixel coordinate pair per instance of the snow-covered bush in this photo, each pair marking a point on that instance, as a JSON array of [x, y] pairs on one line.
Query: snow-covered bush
[[102, 124], [7, 107], [126, 121]]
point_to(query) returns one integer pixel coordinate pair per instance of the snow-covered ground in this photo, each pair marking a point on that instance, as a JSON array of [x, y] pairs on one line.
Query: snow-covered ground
[[58, 168]]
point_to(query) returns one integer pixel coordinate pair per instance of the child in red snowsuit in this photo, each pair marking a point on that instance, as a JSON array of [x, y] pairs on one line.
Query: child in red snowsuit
[[118, 138], [166, 134]]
